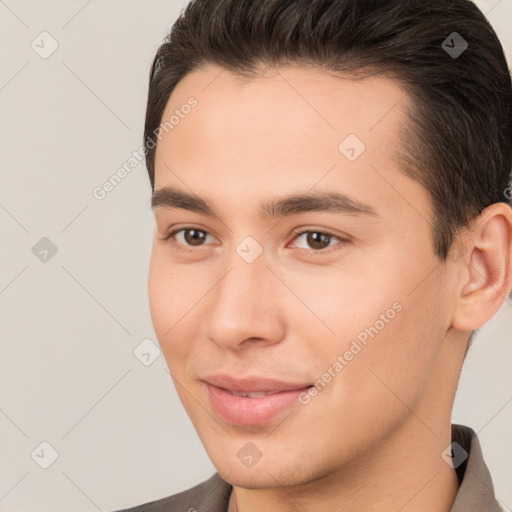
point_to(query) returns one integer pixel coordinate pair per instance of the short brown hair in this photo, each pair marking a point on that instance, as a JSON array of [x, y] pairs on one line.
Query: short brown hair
[[459, 142]]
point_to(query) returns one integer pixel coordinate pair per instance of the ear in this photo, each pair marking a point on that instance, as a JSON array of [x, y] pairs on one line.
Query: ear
[[484, 273]]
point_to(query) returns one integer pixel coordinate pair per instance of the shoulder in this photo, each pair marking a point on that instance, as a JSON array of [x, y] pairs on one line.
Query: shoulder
[[212, 495]]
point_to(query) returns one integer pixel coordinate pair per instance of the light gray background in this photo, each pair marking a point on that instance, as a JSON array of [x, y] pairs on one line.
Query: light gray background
[[69, 326]]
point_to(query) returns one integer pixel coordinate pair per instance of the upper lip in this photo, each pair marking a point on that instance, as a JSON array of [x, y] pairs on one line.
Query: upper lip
[[252, 384]]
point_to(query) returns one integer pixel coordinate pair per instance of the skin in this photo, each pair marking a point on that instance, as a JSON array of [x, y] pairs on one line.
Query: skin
[[372, 438]]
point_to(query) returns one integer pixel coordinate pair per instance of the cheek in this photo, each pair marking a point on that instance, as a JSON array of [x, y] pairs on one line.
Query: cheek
[[399, 360], [378, 316], [340, 302], [170, 295], [177, 296], [160, 300]]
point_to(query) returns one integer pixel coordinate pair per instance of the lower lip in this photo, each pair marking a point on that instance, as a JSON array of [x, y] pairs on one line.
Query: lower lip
[[250, 411]]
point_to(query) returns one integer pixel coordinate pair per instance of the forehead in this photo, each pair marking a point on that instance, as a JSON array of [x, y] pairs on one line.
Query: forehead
[[282, 111], [285, 128]]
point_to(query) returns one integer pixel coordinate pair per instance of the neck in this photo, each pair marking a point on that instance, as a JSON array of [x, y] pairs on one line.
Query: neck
[[406, 473]]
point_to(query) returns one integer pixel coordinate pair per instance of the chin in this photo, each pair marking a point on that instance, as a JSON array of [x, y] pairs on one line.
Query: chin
[[263, 476]]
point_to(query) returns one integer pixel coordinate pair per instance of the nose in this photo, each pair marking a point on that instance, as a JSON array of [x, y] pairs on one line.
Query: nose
[[246, 306]]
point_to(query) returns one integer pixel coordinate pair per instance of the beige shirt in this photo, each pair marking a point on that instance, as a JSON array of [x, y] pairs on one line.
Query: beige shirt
[[476, 491]]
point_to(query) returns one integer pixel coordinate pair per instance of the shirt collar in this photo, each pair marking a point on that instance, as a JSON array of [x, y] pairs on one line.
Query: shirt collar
[[476, 491]]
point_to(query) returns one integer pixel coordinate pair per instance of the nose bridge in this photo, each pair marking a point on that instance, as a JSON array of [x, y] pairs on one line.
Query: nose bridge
[[248, 273], [243, 304]]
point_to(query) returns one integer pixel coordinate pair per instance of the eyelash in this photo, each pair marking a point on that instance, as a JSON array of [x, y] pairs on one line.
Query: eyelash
[[297, 234]]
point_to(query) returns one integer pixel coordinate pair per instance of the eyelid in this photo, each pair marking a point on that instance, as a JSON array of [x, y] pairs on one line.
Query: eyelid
[[173, 232], [296, 234]]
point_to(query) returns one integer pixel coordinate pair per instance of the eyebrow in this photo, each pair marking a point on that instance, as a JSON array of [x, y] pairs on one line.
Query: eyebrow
[[171, 197]]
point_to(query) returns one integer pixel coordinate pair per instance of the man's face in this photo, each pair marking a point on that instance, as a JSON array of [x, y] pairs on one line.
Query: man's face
[[250, 295]]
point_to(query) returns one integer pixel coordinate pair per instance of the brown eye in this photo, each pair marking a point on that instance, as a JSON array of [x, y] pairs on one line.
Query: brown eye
[[317, 240], [185, 238], [193, 236]]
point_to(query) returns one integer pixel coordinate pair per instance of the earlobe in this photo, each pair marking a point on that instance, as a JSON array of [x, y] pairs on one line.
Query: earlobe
[[486, 270]]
